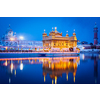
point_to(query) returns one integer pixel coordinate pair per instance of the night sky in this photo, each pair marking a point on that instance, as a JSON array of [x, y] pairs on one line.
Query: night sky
[[33, 27]]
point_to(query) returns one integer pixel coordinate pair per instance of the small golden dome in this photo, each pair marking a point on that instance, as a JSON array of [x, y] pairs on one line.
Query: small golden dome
[[74, 34], [67, 34]]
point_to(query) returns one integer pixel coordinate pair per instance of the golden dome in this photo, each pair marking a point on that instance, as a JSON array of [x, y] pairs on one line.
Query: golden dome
[[74, 34], [44, 34], [67, 34]]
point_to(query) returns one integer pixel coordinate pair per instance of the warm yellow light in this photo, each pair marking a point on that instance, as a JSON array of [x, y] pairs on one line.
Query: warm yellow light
[[55, 79], [6, 48], [5, 63], [52, 81], [67, 77], [74, 78], [15, 72], [44, 78]]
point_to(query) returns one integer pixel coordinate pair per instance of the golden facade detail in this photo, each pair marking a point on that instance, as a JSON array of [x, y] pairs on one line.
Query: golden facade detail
[[55, 40]]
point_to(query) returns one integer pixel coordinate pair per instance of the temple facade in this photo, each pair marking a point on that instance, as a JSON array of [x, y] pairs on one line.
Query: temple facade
[[10, 41], [56, 42]]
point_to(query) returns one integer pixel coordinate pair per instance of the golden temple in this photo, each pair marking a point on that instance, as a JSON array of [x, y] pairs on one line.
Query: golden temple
[[56, 42]]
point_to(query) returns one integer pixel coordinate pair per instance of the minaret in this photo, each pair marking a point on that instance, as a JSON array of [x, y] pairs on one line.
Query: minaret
[[95, 34]]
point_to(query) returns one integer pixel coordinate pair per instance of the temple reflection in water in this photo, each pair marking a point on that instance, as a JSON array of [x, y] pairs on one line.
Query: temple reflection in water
[[57, 66], [52, 66]]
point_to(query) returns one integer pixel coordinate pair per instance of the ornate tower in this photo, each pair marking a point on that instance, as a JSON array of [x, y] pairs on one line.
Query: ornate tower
[[95, 34]]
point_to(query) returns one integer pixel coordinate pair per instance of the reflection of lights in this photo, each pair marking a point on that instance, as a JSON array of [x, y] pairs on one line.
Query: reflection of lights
[[67, 77], [52, 81], [12, 66], [21, 66], [15, 72], [9, 80], [55, 79], [99, 56], [83, 56], [44, 78], [74, 78], [5, 63], [49, 65]]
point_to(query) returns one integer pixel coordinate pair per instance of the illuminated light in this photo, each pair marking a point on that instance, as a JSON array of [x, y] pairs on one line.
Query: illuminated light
[[74, 78], [12, 39], [5, 63], [44, 78], [67, 77], [18, 61], [12, 66], [15, 72], [52, 81], [21, 66], [55, 79], [21, 37], [6, 48], [9, 80], [83, 48], [83, 56], [29, 60]]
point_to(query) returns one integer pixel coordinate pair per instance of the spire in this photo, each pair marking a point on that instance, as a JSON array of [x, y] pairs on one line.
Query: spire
[[44, 30], [74, 34], [95, 25], [67, 34], [52, 29], [55, 29], [44, 34]]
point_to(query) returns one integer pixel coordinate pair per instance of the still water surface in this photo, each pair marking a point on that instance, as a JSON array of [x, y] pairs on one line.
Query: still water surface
[[83, 69]]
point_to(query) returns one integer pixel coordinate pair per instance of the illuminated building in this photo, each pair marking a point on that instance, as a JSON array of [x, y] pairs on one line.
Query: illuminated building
[[9, 41], [56, 42]]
